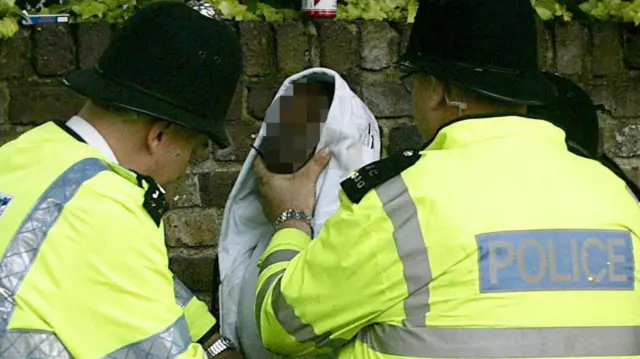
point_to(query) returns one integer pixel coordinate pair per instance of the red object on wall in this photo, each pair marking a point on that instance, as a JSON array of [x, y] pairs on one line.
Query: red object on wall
[[320, 9]]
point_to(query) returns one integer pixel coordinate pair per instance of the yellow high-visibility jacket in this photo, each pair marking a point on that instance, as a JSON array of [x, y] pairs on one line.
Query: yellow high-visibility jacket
[[84, 268], [493, 242]]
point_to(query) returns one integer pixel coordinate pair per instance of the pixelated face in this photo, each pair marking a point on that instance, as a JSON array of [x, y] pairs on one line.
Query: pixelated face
[[292, 137]]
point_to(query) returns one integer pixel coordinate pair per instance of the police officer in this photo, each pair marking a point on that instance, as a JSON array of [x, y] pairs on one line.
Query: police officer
[[84, 269], [493, 241], [576, 114]]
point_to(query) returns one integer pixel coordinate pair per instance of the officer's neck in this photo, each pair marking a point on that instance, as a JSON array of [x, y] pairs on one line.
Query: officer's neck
[[126, 138]]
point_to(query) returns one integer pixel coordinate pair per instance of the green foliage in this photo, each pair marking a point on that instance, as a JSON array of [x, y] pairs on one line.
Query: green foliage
[[615, 10], [549, 9], [9, 16], [390, 10], [115, 11]]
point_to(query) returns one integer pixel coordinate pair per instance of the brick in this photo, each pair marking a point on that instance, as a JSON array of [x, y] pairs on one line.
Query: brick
[[386, 96], [627, 139], [93, 39], [192, 227], [607, 133], [339, 44], [404, 137], [54, 49], [632, 46], [630, 98], [10, 133], [216, 187], [38, 104], [620, 98], [4, 103], [633, 172], [379, 45], [314, 54], [15, 54], [260, 96], [293, 47], [208, 165], [235, 109], [242, 137], [185, 193], [546, 50], [257, 42], [355, 83], [571, 47], [604, 95], [201, 156], [405, 33], [194, 267], [607, 42]]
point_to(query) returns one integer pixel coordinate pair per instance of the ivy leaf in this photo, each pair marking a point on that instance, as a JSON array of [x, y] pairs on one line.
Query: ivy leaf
[[412, 9], [290, 15], [588, 6], [269, 13], [544, 13], [5, 7], [88, 9], [546, 9], [373, 11], [232, 9], [15, 11], [8, 27], [57, 9]]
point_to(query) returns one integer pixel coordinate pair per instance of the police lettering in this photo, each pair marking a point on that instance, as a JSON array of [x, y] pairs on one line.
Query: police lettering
[[552, 260]]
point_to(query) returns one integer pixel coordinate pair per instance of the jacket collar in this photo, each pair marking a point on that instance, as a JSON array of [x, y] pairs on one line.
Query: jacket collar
[[467, 131], [91, 136]]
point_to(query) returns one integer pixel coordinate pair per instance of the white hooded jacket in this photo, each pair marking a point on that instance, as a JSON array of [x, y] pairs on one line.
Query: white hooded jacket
[[352, 134]]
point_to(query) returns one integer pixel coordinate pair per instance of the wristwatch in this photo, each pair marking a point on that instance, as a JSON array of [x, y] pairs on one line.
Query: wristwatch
[[294, 214], [219, 346]]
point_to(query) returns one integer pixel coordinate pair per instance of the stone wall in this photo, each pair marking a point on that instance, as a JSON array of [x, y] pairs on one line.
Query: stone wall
[[604, 58]]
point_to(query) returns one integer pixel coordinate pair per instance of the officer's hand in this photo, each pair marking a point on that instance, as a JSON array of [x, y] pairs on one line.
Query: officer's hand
[[291, 191]]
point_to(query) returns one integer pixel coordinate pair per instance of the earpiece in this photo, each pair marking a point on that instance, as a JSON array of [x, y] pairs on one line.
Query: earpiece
[[460, 105]]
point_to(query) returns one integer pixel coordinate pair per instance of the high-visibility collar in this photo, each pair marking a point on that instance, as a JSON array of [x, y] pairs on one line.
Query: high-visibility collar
[[469, 131]]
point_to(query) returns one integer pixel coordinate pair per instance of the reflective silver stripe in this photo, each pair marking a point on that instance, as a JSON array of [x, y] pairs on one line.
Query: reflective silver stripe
[[32, 344], [412, 250], [262, 293], [433, 342], [182, 293], [169, 343], [21, 253], [303, 332], [287, 317], [283, 255], [402, 212]]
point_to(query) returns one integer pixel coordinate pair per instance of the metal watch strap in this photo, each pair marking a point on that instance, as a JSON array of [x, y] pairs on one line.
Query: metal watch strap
[[218, 347], [294, 215]]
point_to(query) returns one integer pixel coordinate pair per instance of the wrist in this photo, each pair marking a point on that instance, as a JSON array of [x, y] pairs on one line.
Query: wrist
[[294, 218], [295, 224]]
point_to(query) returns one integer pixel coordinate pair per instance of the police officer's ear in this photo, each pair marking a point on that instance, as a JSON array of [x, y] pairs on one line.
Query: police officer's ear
[[432, 89], [157, 135]]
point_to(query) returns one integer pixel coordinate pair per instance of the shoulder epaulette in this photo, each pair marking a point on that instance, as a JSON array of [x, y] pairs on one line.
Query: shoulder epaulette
[[155, 202], [374, 174]]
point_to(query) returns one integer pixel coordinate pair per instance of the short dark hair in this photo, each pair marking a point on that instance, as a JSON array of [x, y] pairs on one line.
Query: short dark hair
[[119, 111]]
